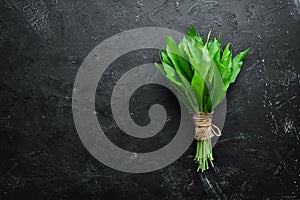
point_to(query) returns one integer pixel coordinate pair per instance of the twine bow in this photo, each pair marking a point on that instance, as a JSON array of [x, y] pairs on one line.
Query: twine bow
[[204, 128]]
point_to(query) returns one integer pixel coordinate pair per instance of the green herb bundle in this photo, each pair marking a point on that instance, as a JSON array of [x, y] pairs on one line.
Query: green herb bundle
[[200, 74]]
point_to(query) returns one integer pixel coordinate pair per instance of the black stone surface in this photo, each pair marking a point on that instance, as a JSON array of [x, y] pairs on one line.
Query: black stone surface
[[42, 45]]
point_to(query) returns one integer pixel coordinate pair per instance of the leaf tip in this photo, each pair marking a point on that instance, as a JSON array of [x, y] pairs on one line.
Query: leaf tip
[[192, 32], [208, 37], [247, 50]]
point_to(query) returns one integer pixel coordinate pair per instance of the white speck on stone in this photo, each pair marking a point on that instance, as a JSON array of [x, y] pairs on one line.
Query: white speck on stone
[[133, 156], [288, 126], [139, 4], [137, 18], [259, 36]]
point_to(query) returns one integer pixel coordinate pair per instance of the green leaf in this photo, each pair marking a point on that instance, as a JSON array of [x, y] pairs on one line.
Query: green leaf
[[227, 55], [217, 58], [198, 56], [214, 47], [192, 32], [165, 58], [193, 35], [217, 90], [182, 97], [237, 65], [200, 62], [178, 88], [178, 61], [183, 83], [240, 57], [160, 68], [199, 40], [207, 39], [198, 86]]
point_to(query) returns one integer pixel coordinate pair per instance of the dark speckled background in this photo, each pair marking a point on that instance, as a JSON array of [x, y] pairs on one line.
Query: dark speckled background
[[42, 45]]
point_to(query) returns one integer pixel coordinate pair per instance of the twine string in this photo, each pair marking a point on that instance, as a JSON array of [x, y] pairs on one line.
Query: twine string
[[204, 127], [216, 133]]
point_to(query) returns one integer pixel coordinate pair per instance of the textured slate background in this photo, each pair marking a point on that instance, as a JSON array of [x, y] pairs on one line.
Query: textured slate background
[[43, 43]]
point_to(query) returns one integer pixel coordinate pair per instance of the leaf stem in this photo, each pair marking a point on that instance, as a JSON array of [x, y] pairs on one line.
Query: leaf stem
[[204, 156]]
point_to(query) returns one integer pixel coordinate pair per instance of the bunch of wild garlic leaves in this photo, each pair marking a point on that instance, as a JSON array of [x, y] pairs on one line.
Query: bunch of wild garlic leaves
[[200, 74]]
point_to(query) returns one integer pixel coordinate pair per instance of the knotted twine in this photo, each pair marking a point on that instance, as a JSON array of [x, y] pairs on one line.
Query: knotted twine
[[204, 128]]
